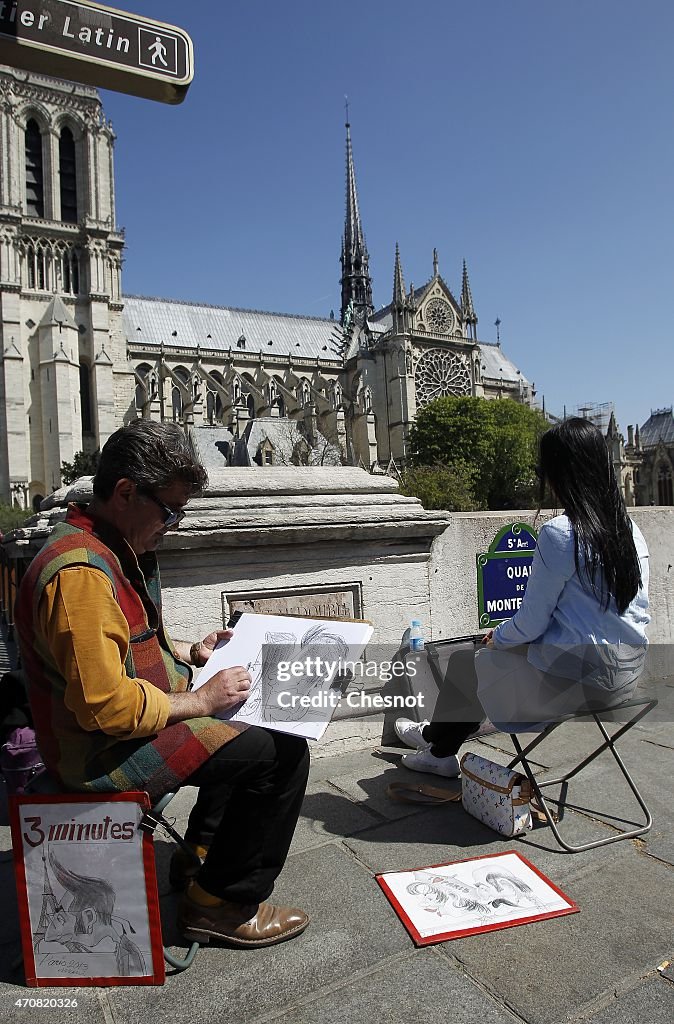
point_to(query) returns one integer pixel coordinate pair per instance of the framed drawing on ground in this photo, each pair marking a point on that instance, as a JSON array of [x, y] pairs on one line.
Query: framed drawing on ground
[[466, 897], [87, 890]]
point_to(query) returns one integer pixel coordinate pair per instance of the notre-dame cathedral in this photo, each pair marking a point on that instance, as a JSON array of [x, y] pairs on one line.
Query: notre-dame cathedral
[[79, 358]]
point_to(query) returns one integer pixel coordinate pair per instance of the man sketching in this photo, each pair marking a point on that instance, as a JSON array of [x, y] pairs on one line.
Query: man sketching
[[109, 692]]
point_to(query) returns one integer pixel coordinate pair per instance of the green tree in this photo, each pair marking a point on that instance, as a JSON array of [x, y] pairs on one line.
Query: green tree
[[12, 516], [441, 487], [496, 438], [83, 464]]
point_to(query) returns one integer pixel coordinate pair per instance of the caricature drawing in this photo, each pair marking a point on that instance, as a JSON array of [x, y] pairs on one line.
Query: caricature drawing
[[317, 642], [512, 891], [82, 921], [490, 889], [447, 901]]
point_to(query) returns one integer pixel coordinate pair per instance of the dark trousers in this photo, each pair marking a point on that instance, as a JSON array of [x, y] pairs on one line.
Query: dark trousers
[[250, 795], [458, 712]]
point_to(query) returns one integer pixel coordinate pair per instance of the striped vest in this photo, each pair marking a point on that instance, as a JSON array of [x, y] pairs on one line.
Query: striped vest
[[93, 760]]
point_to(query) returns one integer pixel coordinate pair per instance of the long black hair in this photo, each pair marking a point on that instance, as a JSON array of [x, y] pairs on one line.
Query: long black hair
[[576, 463]]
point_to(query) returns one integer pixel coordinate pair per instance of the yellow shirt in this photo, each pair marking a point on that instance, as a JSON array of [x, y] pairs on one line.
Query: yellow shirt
[[88, 637]]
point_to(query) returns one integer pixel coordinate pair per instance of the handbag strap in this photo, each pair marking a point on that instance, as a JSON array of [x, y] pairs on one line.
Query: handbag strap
[[433, 796], [539, 815], [515, 780], [408, 793]]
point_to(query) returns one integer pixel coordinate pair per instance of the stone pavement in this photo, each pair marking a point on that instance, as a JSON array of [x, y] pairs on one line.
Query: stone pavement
[[356, 962]]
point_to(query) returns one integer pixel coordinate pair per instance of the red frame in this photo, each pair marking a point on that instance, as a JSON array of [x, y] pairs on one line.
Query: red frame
[[428, 940], [159, 973]]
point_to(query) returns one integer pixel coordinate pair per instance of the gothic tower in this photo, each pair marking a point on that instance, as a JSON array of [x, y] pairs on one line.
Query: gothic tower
[[356, 282], [60, 288]]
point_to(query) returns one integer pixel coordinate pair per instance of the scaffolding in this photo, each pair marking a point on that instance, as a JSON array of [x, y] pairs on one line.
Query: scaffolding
[[598, 412]]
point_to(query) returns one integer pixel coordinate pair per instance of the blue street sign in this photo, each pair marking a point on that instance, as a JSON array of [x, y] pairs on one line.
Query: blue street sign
[[503, 572]]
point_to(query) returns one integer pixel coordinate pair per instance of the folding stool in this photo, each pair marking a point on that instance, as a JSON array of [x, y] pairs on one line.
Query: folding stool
[[641, 706]]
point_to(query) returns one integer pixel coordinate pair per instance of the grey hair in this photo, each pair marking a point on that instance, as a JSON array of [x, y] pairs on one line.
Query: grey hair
[[154, 455]]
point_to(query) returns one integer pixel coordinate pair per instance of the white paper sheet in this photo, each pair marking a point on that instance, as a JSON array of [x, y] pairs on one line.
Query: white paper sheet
[[265, 644], [473, 894]]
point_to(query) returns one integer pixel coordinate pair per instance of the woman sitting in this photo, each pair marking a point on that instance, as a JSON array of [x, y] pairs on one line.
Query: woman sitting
[[578, 640]]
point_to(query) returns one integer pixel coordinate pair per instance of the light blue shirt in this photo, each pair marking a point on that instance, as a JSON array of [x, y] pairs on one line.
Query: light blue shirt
[[560, 611]]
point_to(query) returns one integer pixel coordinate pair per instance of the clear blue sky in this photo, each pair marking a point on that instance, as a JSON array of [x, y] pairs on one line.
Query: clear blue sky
[[533, 138]]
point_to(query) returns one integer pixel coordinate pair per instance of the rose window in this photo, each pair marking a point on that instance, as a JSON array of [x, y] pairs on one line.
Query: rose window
[[439, 374], [439, 316]]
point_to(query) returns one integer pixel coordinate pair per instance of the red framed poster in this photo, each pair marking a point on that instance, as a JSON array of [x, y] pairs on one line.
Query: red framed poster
[[87, 890], [465, 897]]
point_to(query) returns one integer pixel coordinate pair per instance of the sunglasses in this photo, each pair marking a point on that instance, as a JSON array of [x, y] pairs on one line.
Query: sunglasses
[[171, 517]]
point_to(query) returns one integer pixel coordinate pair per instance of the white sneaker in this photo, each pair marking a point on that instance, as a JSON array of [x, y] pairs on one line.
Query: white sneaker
[[424, 761], [410, 733]]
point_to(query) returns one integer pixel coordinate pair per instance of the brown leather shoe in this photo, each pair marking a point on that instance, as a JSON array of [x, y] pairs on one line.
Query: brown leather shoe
[[240, 924], [183, 868]]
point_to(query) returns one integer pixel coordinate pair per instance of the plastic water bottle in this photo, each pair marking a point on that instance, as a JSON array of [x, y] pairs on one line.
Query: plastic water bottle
[[416, 636]]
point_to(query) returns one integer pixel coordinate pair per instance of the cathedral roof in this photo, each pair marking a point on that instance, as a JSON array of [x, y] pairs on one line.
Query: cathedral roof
[[152, 321], [382, 318], [212, 445], [496, 365], [658, 427]]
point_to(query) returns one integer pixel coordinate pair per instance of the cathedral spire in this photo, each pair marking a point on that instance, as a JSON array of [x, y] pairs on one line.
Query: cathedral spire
[[353, 231], [612, 429], [402, 303], [356, 282], [399, 296], [467, 308]]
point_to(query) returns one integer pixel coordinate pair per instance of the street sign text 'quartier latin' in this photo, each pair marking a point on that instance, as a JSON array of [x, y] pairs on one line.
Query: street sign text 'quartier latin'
[[87, 42]]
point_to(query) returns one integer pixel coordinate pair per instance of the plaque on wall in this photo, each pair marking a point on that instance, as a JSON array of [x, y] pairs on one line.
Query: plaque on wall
[[342, 602]]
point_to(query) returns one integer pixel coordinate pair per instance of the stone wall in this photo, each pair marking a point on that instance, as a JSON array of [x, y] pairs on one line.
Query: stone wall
[[291, 528], [261, 540]]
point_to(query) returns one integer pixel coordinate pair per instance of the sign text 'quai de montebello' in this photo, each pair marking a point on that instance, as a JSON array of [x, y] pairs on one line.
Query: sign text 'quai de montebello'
[[87, 42], [503, 572]]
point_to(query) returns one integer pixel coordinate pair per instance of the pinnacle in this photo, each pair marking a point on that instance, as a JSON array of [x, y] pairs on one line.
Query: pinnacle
[[398, 280]]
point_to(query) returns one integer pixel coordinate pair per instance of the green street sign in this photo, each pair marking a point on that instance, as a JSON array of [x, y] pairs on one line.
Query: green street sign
[[87, 42]]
